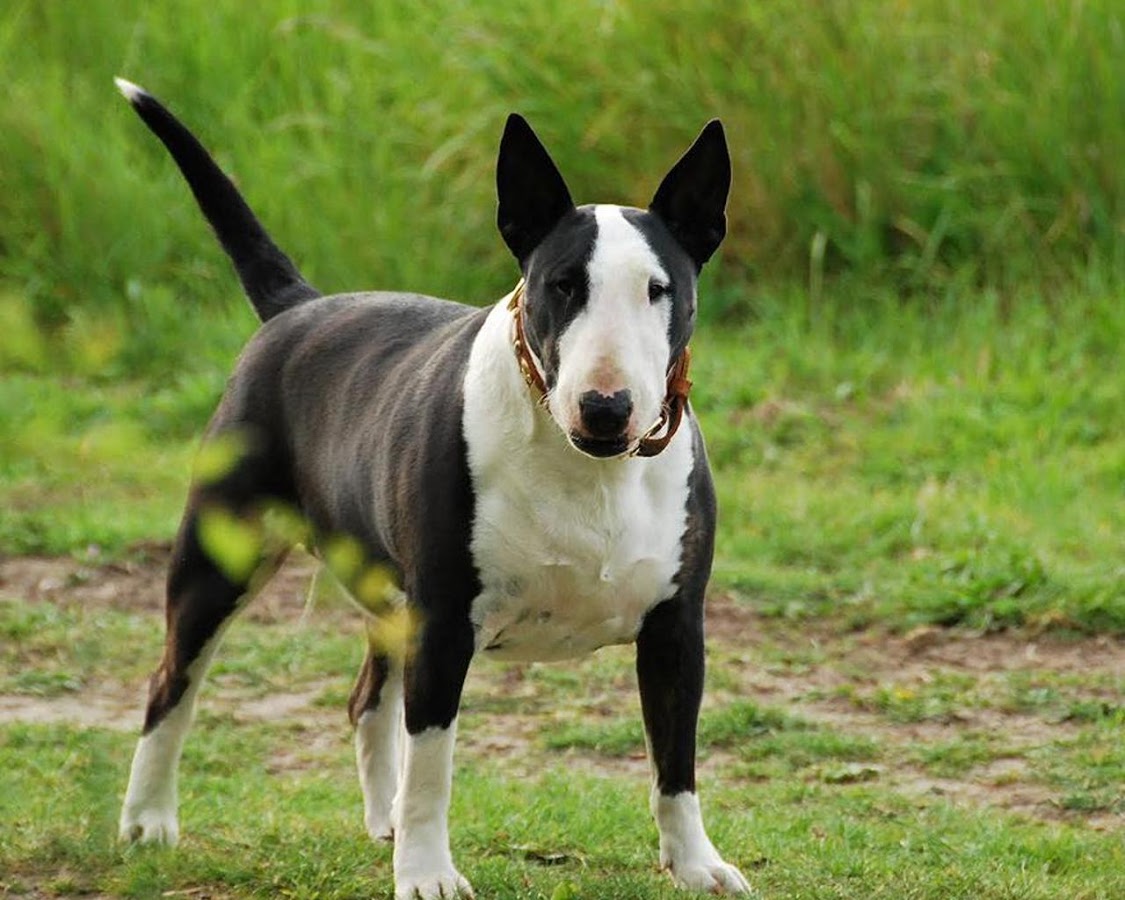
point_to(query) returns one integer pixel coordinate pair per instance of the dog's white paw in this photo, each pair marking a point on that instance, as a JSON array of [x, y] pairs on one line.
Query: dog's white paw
[[686, 851], [437, 886], [149, 826], [712, 875]]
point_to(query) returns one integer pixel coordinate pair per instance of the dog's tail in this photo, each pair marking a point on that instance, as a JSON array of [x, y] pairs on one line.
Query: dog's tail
[[268, 276]]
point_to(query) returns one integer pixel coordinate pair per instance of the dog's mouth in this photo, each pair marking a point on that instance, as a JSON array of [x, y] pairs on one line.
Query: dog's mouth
[[600, 448]]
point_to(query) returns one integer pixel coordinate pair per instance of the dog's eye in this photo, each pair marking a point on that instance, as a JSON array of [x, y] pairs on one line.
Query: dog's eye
[[658, 290], [564, 288]]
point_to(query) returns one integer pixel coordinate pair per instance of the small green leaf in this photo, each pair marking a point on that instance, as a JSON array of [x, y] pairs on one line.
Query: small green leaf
[[233, 544]]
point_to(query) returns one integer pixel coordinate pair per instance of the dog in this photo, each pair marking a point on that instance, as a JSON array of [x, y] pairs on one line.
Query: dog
[[531, 475]]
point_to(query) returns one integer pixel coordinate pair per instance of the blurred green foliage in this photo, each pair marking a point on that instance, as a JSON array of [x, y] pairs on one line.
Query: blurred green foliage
[[922, 145]]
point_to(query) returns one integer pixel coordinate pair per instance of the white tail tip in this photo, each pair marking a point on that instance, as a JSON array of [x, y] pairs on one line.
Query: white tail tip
[[130, 91]]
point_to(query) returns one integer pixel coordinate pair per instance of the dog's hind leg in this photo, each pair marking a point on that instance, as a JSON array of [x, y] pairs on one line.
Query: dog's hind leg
[[203, 593], [375, 709], [435, 673]]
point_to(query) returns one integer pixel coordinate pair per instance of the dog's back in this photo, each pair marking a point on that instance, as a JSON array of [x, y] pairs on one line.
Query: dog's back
[[343, 378]]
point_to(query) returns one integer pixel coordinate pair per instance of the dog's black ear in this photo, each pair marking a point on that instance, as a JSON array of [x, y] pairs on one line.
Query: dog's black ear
[[692, 198], [532, 193]]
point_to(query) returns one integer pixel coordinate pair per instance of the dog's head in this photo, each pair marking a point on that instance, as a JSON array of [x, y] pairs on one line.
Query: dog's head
[[610, 291]]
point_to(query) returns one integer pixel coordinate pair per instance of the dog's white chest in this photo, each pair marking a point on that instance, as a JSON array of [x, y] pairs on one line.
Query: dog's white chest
[[572, 552], [565, 571]]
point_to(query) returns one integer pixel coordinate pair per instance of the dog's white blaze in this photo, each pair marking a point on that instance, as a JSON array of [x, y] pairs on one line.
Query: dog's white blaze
[[149, 813], [686, 851], [422, 860], [620, 340], [572, 551], [378, 756]]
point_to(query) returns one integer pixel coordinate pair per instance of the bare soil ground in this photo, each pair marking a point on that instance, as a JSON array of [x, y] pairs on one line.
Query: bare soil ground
[[849, 682]]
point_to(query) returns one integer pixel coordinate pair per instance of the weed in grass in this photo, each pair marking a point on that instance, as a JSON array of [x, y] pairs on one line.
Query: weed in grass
[[1065, 697], [43, 684], [1092, 711], [818, 754], [959, 756], [941, 699], [1088, 770], [614, 739], [50, 650], [739, 721]]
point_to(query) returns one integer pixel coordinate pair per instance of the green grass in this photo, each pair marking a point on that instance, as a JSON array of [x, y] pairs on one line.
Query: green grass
[[862, 850], [85, 462], [949, 465], [807, 810], [867, 802], [906, 365], [882, 463]]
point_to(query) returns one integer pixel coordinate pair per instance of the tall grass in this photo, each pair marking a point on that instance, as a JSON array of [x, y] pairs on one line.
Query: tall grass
[[927, 145]]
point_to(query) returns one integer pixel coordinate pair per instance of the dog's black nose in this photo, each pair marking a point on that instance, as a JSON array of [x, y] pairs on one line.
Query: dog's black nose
[[604, 416]]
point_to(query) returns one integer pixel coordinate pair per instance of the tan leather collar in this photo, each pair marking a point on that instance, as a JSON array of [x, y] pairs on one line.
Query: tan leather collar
[[675, 398], [529, 366], [672, 411]]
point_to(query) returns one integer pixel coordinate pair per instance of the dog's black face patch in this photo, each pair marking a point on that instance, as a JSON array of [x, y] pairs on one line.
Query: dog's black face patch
[[680, 288], [558, 285]]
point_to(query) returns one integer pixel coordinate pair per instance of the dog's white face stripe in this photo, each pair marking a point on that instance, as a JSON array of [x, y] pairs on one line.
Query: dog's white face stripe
[[619, 341]]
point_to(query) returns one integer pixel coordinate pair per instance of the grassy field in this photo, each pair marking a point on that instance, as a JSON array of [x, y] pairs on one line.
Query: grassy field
[[878, 464], [908, 372], [833, 766]]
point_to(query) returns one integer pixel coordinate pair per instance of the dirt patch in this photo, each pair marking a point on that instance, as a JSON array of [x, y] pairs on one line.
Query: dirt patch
[[101, 710], [136, 584], [927, 689], [879, 653]]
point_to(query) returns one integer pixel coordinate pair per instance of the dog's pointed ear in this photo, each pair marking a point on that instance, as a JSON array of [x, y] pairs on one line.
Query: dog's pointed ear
[[532, 194], [692, 198]]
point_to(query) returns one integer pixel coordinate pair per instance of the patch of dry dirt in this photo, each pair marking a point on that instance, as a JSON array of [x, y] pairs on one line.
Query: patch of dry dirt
[[137, 583]]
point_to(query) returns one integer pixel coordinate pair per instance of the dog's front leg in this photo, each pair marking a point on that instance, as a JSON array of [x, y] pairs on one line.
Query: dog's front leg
[[670, 676], [435, 674]]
